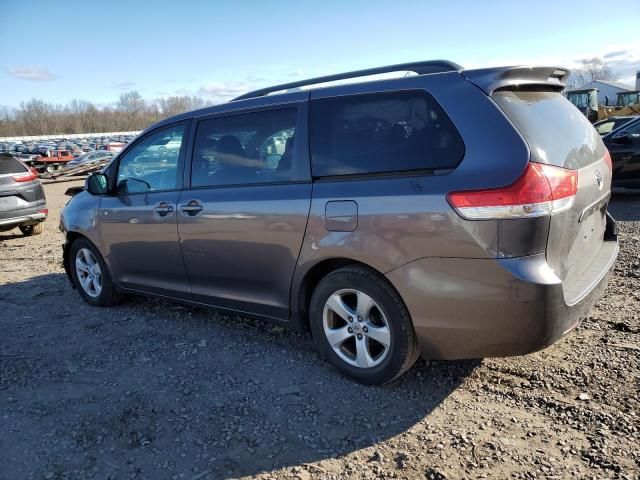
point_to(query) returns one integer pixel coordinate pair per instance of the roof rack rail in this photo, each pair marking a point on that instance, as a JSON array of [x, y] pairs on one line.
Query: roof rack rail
[[421, 68]]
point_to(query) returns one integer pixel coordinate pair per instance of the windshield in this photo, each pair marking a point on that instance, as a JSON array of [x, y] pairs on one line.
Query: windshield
[[580, 100], [626, 99]]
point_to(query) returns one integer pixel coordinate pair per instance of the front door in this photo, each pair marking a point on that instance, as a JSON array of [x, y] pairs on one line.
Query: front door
[[138, 223], [243, 221]]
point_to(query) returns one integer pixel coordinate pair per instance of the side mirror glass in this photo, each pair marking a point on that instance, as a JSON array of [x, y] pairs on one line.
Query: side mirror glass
[[97, 184]]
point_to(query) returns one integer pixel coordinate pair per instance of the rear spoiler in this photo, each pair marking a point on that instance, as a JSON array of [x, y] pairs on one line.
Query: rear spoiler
[[491, 79]]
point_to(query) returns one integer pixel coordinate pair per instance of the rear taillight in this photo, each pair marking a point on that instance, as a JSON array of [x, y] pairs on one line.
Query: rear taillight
[[607, 159], [44, 210], [25, 177], [541, 190]]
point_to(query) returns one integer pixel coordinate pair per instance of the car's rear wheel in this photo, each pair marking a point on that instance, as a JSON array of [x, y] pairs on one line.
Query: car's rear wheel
[[90, 274], [28, 230], [361, 325]]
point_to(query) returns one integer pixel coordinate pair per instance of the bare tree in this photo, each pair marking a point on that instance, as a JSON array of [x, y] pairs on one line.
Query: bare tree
[[36, 117], [131, 105], [175, 105], [592, 69], [130, 112]]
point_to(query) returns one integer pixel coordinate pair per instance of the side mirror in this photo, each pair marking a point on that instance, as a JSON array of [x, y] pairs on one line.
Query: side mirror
[[97, 184]]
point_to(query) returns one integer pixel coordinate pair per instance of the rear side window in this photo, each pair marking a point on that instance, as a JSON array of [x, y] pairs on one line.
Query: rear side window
[[382, 132], [8, 164], [556, 131], [248, 148]]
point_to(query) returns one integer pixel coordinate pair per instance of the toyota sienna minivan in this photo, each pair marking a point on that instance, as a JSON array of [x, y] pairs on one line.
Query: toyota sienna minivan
[[450, 214]]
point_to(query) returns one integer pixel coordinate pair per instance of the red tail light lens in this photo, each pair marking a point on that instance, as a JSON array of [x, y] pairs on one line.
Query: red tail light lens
[[541, 190], [25, 177]]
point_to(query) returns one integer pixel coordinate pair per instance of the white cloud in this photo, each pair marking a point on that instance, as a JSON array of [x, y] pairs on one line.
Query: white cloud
[[299, 73], [625, 65], [124, 85], [617, 53], [223, 91], [36, 74]]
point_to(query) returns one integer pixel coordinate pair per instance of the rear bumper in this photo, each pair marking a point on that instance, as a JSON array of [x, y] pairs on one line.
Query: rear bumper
[[474, 308], [25, 216]]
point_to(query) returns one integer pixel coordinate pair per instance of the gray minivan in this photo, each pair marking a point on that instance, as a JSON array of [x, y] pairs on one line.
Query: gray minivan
[[453, 213]]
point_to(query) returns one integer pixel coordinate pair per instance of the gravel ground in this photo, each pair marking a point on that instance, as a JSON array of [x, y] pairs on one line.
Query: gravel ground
[[153, 390]]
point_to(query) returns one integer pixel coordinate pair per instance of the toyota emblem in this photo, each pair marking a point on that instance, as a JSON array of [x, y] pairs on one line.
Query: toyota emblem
[[599, 180]]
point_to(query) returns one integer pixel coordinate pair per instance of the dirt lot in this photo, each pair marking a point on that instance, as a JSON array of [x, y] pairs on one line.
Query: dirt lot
[[154, 390]]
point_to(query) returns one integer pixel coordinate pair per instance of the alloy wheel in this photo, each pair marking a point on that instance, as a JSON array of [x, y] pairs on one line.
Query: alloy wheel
[[88, 272], [356, 328]]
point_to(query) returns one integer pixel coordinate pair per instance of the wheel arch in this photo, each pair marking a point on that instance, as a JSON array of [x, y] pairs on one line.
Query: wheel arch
[[71, 237], [313, 275]]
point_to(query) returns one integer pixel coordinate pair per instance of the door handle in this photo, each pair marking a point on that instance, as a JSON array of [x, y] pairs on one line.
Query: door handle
[[192, 208], [163, 209]]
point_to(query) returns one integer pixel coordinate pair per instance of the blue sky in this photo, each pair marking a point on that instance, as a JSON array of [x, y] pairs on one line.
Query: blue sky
[[60, 50]]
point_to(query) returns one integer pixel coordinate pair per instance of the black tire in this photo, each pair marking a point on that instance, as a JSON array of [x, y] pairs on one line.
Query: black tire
[[403, 347], [108, 295], [29, 230]]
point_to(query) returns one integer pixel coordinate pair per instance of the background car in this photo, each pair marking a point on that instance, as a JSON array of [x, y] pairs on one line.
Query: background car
[[89, 158], [624, 147], [22, 200], [608, 125]]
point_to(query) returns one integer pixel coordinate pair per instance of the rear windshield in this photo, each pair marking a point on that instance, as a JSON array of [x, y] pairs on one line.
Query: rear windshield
[[556, 131], [9, 164]]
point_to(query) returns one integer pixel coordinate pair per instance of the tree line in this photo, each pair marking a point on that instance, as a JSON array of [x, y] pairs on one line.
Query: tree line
[[131, 112]]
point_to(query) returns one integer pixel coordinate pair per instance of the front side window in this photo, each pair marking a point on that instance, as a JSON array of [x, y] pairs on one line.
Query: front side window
[[383, 132], [152, 164], [250, 148]]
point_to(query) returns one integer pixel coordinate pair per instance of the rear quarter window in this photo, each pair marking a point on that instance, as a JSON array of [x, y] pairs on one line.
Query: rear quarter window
[[8, 164], [382, 132], [556, 131]]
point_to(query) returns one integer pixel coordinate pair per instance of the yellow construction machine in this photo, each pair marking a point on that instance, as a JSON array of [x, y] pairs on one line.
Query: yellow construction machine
[[586, 100]]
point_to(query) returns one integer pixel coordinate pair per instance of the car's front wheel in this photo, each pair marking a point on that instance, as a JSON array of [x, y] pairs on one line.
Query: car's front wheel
[[362, 326], [90, 274]]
